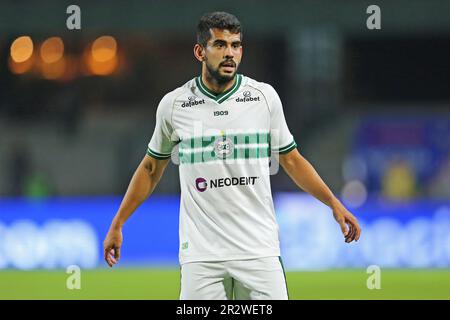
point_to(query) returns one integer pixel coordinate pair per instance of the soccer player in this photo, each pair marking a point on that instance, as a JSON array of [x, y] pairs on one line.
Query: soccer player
[[225, 127]]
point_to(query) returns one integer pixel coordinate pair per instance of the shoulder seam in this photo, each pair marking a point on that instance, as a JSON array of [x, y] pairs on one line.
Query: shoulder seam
[[265, 98], [173, 107]]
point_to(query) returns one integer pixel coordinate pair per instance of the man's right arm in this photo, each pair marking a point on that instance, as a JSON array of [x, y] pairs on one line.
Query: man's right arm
[[142, 184]]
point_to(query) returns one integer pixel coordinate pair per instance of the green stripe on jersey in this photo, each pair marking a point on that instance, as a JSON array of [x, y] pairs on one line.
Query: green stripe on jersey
[[238, 138], [226, 146]]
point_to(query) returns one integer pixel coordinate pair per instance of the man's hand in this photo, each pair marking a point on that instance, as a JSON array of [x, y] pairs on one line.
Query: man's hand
[[349, 225], [112, 244], [306, 177], [141, 186]]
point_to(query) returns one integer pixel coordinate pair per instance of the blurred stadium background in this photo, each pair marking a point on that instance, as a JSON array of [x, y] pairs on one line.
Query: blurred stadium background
[[369, 108]]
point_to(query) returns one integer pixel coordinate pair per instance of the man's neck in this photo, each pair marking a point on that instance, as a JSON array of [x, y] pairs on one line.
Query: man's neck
[[215, 87]]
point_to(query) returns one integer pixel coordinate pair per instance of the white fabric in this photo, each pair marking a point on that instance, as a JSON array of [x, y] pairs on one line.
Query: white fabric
[[226, 210], [256, 279]]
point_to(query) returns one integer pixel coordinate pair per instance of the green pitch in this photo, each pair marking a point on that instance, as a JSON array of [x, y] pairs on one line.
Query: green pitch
[[122, 283]]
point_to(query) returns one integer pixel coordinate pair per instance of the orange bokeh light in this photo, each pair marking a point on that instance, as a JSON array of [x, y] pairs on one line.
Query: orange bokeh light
[[52, 50], [20, 67], [102, 68], [55, 70], [102, 57], [21, 49], [104, 49]]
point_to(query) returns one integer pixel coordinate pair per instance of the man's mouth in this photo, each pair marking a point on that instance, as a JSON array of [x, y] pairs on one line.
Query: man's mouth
[[228, 66]]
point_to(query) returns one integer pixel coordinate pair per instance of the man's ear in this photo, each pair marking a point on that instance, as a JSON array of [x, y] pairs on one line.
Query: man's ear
[[199, 52]]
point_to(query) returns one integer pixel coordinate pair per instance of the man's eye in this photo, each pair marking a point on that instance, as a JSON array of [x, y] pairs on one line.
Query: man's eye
[[236, 46]]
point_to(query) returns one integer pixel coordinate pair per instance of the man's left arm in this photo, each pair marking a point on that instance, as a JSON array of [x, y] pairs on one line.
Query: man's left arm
[[306, 177]]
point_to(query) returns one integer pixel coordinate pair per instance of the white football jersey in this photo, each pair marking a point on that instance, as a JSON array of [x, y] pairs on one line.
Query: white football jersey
[[223, 145]]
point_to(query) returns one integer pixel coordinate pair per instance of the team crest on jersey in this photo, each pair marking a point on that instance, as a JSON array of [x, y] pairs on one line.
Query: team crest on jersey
[[223, 147]]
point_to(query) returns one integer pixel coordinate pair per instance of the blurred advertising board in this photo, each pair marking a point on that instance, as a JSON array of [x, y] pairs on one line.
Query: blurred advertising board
[[58, 232]]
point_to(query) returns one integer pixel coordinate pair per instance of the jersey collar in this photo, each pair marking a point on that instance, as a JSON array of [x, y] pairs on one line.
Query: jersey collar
[[221, 97]]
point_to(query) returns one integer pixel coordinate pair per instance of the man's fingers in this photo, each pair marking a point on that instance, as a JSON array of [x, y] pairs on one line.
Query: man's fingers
[[344, 228], [355, 230], [112, 255], [349, 233], [117, 253], [109, 256], [106, 253], [108, 261], [352, 232], [111, 262]]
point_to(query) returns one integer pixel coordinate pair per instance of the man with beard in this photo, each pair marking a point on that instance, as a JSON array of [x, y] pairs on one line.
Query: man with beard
[[226, 126]]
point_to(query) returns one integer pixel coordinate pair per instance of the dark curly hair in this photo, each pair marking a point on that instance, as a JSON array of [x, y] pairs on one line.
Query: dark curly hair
[[219, 20]]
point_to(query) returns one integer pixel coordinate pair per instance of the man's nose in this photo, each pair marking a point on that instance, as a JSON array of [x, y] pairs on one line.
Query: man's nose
[[229, 52]]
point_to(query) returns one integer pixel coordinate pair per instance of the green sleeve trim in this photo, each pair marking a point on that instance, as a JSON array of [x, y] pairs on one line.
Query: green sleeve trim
[[291, 146], [157, 155]]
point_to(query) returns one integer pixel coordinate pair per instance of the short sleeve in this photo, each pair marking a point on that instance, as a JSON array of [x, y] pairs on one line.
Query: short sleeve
[[281, 139], [163, 139]]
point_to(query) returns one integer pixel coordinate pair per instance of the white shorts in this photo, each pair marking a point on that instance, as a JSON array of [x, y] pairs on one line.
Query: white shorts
[[253, 279]]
